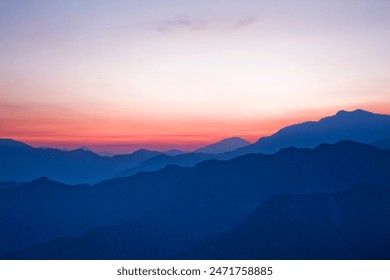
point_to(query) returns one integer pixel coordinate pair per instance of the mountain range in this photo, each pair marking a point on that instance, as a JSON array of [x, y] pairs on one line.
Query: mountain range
[[163, 214], [316, 190], [360, 126], [21, 162], [353, 224]]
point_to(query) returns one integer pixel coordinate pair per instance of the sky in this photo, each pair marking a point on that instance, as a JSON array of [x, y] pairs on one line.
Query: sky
[[122, 75]]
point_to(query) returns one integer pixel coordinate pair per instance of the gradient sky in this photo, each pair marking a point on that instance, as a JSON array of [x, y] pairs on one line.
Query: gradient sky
[[120, 75]]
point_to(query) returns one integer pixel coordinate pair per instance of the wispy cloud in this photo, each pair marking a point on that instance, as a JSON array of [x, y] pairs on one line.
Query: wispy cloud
[[196, 25], [179, 24], [245, 22]]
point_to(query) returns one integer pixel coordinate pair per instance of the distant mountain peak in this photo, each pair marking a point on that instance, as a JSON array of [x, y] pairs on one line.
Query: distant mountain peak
[[356, 112], [143, 152], [80, 151], [225, 145], [42, 180], [12, 143], [234, 138], [344, 144], [358, 125]]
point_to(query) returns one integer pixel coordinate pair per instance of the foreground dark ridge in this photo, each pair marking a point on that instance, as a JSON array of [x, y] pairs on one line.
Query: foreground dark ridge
[[160, 214]]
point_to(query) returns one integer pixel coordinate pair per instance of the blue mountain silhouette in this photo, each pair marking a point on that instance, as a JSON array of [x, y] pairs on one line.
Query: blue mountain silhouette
[[360, 126], [212, 151], [43, 209], [21, 162], [223, 146], [354, 224], [160, 161], [160, 214]]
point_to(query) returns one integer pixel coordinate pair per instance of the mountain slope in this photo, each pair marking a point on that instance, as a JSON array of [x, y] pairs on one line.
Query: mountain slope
[[360, 126], [354, 224], [223, 146], [160, 161], [20, 162], [43, 209], [383, 144], [207, 200]]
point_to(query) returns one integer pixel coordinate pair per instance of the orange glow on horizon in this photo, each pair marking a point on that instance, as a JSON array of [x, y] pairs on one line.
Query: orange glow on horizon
[[125, 75], [112, 134]]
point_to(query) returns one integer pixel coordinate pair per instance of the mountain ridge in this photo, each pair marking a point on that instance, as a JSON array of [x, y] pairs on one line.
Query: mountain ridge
[[354, 126], [223, 146], [183, 198], [21, 162], [352, 224], [359, 125]]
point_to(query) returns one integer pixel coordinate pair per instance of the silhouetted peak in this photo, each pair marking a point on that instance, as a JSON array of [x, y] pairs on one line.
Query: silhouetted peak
[[341, 112], [224, 145], [235, 138], [43, 183], [6, 142], [357, 112], [345, 144], [42, 180], [81, 151], [141, 151], [291, 149], [106, 154]]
